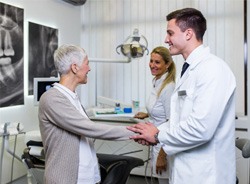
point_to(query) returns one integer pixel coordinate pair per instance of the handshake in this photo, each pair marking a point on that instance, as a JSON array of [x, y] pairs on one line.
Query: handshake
[[146, 133]]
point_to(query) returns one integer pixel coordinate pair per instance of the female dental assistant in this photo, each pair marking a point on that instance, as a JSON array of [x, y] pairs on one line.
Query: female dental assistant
[[158, 105]]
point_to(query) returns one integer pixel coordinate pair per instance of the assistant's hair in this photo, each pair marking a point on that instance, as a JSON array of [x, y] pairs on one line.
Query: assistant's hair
[[66, 55], [190, 18], [165, 54]]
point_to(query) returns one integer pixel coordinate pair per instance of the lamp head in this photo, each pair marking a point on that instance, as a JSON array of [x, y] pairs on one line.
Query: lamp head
[[133, 47]]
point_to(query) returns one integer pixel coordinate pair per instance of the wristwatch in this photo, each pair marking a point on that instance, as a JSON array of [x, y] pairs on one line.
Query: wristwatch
[[156, 137]]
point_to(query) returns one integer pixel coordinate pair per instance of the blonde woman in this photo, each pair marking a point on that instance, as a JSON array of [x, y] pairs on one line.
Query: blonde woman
[[158, 105]]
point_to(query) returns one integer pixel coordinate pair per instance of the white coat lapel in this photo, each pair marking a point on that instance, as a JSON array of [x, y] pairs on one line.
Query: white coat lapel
[[182, 79], [194, 59]]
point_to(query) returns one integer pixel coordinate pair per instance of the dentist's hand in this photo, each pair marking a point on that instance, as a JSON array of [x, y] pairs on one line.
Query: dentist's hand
[[146, 133]]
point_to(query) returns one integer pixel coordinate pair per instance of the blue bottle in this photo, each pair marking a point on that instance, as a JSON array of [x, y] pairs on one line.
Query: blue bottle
[[117, 108]]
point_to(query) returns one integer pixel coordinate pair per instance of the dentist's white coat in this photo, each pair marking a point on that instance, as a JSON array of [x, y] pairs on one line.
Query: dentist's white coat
[[200, 136]]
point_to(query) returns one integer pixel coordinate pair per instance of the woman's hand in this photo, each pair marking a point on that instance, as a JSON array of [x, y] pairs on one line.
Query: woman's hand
[[141, 115], [161, 163]]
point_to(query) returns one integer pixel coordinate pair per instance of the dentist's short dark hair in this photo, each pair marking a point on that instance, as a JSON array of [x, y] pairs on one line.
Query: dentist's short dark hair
[[190, 18]]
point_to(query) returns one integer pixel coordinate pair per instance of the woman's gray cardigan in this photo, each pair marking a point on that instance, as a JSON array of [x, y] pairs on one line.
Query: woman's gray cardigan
[[61, 127]]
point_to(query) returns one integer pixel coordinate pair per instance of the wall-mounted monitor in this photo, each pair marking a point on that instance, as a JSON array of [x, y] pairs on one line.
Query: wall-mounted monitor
[[41, 85]]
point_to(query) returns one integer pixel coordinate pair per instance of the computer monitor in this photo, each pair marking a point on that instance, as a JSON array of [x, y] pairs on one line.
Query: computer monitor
[[41, 85]]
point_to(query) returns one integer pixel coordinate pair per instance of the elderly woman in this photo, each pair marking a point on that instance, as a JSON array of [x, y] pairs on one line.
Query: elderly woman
[[65, 128]]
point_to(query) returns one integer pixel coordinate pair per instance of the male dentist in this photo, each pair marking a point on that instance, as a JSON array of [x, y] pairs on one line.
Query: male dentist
[[199, 137]]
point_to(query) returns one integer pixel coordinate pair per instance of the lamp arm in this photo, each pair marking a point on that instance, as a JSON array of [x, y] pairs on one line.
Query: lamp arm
[[145, 40], [117, 48], [147, 50], [101, 60]]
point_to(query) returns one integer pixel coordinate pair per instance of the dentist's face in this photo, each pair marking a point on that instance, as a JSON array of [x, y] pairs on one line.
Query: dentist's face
[[175, 38]]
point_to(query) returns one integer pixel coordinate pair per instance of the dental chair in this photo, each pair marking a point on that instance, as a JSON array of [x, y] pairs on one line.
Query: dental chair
[[114, 169], [244, 146]]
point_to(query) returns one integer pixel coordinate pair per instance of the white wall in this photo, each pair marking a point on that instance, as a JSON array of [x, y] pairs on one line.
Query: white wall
[[52, 13]]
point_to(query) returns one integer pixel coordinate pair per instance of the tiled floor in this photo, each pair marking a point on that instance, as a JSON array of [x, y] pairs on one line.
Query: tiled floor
[[141, 180], [131, 180]]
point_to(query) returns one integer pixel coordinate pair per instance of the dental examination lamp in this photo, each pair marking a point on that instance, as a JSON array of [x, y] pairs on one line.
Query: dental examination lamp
[[133, 47]]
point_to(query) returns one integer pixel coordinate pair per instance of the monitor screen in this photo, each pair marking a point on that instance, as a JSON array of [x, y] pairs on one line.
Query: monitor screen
[[41, 85]]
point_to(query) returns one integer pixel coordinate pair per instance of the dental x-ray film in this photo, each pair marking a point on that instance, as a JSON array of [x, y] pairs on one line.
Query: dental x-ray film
[[11, 56], [43, 41]]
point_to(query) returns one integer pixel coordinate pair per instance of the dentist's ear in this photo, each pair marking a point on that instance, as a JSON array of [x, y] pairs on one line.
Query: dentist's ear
[[189, 34]]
